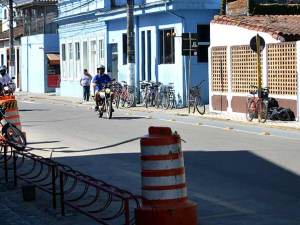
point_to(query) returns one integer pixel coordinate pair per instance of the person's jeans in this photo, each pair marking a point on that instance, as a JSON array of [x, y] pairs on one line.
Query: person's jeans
[[86, 93]]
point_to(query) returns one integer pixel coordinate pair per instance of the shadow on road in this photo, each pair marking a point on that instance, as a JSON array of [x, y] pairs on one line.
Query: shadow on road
[[128, 118], [41, 142], [234, 187], [33, 110]]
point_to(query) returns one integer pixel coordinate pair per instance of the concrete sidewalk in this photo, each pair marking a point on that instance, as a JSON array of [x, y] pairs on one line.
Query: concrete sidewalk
[[15, 211], [237, 117]]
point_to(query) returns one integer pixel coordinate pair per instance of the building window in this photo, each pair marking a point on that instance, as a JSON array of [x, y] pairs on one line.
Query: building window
[[203, 43], [70, 51], [85, 55], [63, 52], [77, 51], [5, 14], [124, 49], [167, 47], [101, 50], [93, 58]]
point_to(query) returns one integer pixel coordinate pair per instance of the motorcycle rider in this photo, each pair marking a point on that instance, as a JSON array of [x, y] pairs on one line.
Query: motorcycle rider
[[98, 82], [6, 80]]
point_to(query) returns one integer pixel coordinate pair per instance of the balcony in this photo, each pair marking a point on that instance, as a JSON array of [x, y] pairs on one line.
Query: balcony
[[40, 25]]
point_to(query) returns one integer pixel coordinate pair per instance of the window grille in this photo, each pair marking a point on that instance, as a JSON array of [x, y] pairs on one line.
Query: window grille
[[282, 69], [243, 68], [219, 69]]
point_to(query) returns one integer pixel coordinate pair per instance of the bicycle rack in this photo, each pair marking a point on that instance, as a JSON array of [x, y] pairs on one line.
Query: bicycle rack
[[92, 197]]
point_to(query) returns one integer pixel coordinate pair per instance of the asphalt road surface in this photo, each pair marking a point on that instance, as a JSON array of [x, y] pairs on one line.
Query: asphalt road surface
[[236, 174]]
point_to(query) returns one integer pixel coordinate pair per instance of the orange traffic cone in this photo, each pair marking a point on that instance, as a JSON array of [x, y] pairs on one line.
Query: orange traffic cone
[[164, 189], [11, 112]]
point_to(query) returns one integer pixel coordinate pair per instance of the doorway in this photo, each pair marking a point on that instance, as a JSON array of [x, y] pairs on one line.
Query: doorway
[[18, 68]]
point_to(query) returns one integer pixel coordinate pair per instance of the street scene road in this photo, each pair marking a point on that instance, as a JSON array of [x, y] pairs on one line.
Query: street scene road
[[235, 172]]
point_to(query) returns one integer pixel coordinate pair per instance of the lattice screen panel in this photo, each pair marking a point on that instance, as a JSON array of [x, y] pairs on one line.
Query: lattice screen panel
[[282, 69], [219, 69], [243, 68]]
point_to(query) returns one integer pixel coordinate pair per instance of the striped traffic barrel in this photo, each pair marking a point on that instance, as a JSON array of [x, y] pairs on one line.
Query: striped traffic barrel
[[11, 110], [163, 181]]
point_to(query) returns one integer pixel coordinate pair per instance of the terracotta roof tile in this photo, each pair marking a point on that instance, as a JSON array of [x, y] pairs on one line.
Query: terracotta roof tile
[[281, 27], [18, 32]]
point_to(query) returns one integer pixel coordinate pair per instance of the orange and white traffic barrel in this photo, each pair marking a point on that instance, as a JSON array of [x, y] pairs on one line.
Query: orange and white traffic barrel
[[164, 189], [11, 110]]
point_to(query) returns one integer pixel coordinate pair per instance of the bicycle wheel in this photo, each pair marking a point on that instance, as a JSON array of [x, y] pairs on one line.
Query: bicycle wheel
[[14, 137], [262, 111], [199, 105], [117, 101], [147, 100], [109, 108], [157, 100], [165, 101], [172, 101], [130, 100], [250, 109], [142, 97]]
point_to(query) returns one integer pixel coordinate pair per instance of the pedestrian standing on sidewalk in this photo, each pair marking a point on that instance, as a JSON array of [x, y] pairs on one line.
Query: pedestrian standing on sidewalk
[[85, 82]]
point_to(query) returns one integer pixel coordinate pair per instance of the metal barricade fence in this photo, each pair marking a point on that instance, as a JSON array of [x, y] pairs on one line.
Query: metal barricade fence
[[94, 198]]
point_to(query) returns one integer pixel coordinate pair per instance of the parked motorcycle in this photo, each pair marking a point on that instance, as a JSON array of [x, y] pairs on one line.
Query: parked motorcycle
[[106, 101], [13, 136]]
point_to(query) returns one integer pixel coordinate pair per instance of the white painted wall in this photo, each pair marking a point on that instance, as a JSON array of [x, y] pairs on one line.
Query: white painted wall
[[5, 21], [75, 74], [229, 35], [224, 35]]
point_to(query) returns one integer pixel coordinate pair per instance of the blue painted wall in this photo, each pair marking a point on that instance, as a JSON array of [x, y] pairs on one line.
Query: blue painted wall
[[199, 70], [183, 21], [152, 16]]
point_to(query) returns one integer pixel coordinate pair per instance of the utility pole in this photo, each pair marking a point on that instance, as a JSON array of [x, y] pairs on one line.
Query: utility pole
[[130, 45], [258, 51], [11, 39]]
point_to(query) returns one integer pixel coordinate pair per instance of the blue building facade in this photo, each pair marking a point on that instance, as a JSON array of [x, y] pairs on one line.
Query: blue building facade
[[100, 31], [39, 40]]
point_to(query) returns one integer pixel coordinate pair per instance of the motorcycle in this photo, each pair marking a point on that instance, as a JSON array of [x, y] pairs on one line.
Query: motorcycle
[[12, 135], [106, 101], [8, 89]]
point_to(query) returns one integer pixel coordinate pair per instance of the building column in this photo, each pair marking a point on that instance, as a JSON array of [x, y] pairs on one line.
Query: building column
[[137, 56], [229, 79], [298, 79]]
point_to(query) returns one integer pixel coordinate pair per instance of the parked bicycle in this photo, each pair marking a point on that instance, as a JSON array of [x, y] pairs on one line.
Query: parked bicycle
[[165, 97], [117, 90], [12, 135], [151, 90], [127, 96], [257, 107], [195, 99], [144, 85]]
